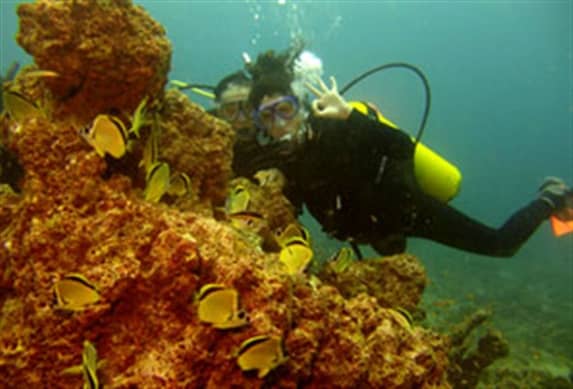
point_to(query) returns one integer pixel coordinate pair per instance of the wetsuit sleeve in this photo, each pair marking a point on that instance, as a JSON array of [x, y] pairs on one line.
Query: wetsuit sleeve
[[395, 142], [442, 223]]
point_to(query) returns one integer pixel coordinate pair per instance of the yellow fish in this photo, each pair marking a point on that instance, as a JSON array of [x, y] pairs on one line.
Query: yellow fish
[[342, 259], [238, 200], [150, 151], [219, 306], [179, 185], [293, 231], [402, 317], [296, 256], [157, 182], [19, 107], [139, 118], [407, 315], [88, 367], [74, 292], [108, 135], [251, 221], [262, 353], [270, 178]]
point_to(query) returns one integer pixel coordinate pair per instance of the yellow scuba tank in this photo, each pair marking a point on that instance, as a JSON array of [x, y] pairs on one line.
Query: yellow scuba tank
[[436, 176]]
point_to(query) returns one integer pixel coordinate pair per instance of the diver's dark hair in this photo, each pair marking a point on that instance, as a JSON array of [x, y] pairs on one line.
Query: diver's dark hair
[[239, 78], [272, 73]]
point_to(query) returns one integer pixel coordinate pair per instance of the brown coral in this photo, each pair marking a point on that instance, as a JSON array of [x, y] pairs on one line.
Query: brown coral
[[396, 281], [275, 211], [198, 144], [83, 214], [269, 203], [108, 54], [468, 362], [148, 261]]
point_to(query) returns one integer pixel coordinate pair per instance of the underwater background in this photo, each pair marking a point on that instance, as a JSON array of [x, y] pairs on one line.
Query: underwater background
[[501, 77]]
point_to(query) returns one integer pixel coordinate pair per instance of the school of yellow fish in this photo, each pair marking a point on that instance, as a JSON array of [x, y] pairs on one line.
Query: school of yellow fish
[[217, 305]]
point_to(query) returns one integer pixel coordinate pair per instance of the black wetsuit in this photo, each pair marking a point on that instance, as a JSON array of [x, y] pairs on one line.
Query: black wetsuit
[[356, 178]]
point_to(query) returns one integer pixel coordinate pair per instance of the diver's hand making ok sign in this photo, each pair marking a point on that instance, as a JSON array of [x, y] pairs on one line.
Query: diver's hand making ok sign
[[329, 104]]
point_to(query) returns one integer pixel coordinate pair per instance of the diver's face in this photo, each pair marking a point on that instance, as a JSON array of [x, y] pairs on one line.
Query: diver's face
[[279, 115], [235, 108]]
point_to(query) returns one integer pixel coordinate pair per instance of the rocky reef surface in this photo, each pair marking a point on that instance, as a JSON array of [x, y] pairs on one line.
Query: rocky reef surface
[[83, 214]]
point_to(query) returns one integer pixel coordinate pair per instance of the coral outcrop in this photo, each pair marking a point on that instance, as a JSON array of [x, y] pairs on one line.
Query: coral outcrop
[[80, 213], [108, 54], [396, 281], [148, 261], [267, 202], [467, 362], [198, 144]]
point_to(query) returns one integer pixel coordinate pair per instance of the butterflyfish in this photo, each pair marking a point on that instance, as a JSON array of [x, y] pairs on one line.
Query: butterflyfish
[[270, 178], [179, 184], [150, 150], [88, 368], [139, 118], [157, 182], [262, 353], [407, 315], [19, 107], [107, 135], [402, 317], [219, 306], [342, 259], [293, 231], [247, 220], [238, 200], [296, 256], [74, 292]]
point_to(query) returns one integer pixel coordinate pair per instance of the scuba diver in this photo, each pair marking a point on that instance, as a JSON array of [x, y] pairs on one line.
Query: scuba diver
[[232, 102], [356, 172], [231, 97]]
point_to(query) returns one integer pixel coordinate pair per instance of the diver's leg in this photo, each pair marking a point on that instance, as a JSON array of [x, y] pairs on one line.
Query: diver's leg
[[442, 223]]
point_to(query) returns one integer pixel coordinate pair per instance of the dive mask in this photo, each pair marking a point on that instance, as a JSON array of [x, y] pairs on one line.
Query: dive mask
[[235, 110], [275, 112]]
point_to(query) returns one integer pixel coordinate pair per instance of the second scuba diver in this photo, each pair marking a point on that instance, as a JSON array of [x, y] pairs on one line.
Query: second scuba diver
[[232, 105], [356, 175]]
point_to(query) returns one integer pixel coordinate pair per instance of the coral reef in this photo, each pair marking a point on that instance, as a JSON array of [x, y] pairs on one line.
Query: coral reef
[[468, 363], [198, 144], [108, 54], [80, 213], [396, 281], [147, 262], [271, 204]]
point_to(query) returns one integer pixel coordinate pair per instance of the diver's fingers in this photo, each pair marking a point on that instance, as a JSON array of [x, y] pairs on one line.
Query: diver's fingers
[[334, 85], [317, 107], [313, 89], [323, 85]]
